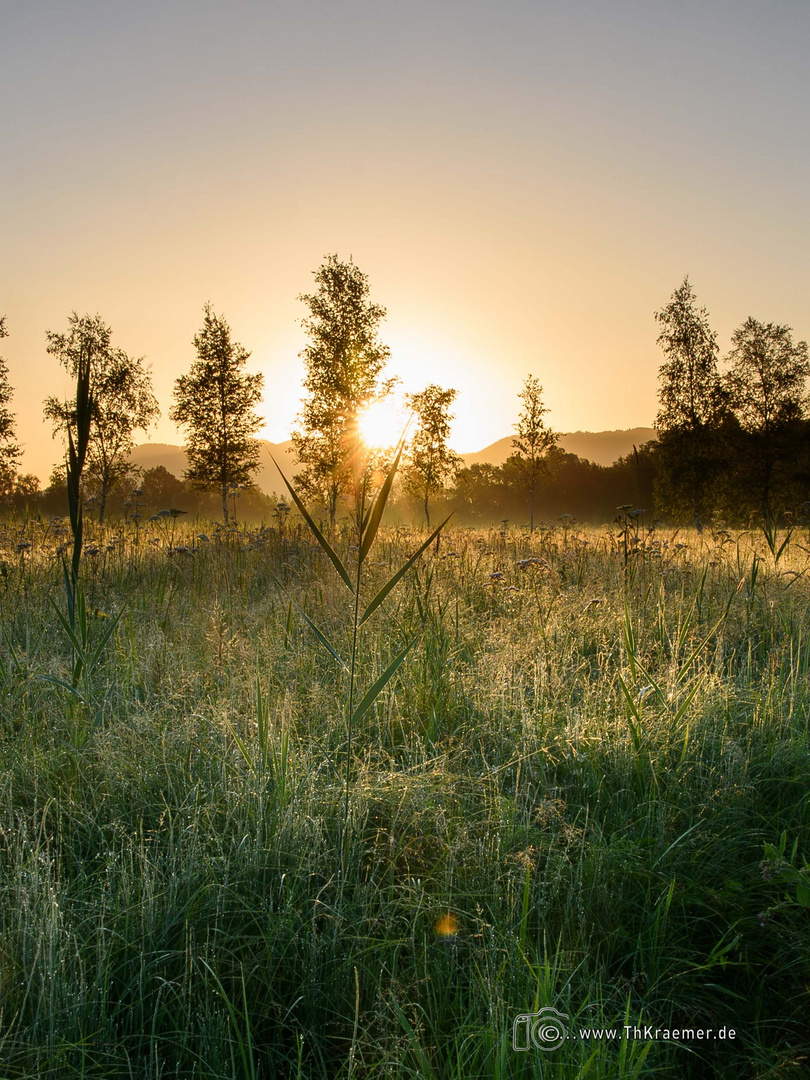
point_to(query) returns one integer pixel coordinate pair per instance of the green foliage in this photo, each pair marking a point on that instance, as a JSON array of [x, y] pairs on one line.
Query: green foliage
[[689, 394], [767, 376], [120, 389], [691, 405], [766, 384], [430, 463], [344, 361], [9, 449], [88, 648], [216, 405], [533, 441]]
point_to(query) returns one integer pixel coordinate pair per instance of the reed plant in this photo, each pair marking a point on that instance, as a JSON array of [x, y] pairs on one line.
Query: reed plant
[[368, 514]]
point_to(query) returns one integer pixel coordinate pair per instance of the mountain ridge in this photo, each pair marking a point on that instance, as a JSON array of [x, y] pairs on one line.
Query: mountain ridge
[[601, 447]]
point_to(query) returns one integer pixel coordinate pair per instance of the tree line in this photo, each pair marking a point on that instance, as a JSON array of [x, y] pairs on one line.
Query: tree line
[[731, 443]]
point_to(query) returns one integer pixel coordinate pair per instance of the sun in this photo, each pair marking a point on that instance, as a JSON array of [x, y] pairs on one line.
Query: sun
[[381, 424]]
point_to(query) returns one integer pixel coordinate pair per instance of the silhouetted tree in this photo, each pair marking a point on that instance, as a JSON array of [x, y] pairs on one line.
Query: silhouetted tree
[[430, 463], [216, 405], [160, 488], [481, 493], [691, 401], [121, 396], [344, 361], [766, 383], [9, 448], [533, 440]]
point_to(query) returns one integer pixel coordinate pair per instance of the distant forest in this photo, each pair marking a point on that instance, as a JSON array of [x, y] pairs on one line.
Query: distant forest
[[484, 494], [481, 494], [732, 446]]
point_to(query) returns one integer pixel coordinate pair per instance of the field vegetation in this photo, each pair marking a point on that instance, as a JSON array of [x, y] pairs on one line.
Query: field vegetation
[[585, 787]]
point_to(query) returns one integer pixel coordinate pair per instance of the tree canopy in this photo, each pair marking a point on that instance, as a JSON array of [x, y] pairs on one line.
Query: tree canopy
[[533, 440], [766, 384], [121, 396], [691, 401], [689, 395], [430, 463], [216, 404], [344, 361]]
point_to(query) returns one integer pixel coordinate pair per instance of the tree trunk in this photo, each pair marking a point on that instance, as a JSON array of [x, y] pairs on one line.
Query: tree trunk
[[427, 511], [531, 512], [225, 502]]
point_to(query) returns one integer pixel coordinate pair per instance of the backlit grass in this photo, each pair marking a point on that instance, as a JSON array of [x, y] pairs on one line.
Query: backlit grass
[[563, 798]]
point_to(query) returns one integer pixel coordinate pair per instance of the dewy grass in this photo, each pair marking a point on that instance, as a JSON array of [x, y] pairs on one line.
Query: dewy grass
[[368, 517], [169, 904]]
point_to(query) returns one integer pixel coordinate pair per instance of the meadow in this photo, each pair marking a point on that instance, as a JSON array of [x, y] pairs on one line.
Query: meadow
[[584, 789]]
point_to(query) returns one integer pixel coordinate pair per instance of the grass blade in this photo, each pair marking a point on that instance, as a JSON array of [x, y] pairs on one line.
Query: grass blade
[[316, 532], [71, 636], [324, 640], [375, 516], [378, 686], [72, 690], [386, 589], [108, 633], [634, 732], [687, 701]]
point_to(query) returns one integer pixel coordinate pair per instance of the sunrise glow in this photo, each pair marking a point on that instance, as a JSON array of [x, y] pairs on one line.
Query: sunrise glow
[[382, 424]]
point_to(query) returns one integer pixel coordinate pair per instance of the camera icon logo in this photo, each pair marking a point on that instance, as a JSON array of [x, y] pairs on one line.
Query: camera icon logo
[[544, 1029]]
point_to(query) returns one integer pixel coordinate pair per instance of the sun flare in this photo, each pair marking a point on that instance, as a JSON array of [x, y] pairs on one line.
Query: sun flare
[[381, 424]]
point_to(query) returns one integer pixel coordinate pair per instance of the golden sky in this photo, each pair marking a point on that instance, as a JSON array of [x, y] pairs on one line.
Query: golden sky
[[525, 183]]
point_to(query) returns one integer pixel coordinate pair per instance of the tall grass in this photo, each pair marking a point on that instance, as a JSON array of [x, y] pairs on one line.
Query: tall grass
[[585, 787]]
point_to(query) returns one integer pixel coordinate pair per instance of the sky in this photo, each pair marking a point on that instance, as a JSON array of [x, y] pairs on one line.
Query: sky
[[524, 183]]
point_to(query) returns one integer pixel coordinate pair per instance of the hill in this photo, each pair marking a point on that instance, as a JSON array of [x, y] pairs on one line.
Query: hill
[[601, 447], [173, 458]]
